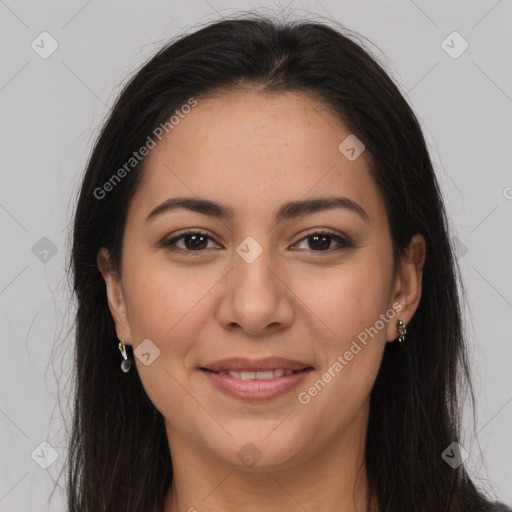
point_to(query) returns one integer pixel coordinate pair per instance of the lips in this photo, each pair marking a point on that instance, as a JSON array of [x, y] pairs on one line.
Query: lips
[[256, 379], [241, 364]]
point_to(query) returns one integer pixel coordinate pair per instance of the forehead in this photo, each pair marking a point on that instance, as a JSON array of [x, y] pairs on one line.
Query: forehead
[[254, 151]]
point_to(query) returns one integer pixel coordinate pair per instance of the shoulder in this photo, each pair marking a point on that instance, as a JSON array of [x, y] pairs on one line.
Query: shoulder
[[500, 507]]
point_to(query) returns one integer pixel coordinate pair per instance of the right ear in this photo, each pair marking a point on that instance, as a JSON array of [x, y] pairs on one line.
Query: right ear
[[115, 296]]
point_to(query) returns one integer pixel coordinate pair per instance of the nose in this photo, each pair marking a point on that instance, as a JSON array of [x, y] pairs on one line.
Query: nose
[[256, 297]]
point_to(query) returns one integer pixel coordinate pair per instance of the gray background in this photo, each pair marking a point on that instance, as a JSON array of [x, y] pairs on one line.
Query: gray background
[[51, 109]]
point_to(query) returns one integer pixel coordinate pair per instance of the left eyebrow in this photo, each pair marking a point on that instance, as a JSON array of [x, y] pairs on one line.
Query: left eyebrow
[[287, 211], [298, 208]]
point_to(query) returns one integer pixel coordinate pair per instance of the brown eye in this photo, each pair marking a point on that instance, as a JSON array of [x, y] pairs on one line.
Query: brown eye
[[193, 241], [321, 241]]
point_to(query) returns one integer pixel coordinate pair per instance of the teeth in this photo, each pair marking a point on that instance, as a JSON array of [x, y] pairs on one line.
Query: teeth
[[266, 375]]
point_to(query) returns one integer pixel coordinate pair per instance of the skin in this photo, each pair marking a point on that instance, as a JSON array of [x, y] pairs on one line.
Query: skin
[[254, 152]]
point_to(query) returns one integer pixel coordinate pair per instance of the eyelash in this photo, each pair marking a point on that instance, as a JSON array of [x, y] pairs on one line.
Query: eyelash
[[343, 242]]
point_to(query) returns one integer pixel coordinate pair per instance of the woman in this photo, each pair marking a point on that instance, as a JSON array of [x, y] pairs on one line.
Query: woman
[[260, 241]]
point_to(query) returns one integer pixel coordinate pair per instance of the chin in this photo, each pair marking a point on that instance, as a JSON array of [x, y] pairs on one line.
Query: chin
[[258, 451]]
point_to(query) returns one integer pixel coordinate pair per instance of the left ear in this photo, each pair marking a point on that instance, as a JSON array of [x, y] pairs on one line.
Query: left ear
[[408, 283]]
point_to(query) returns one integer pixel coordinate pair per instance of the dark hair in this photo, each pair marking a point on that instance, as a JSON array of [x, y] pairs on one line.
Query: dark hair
[[415, 405]]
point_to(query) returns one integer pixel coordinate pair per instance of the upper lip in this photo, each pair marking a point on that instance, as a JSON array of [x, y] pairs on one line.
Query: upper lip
[[242, 364]]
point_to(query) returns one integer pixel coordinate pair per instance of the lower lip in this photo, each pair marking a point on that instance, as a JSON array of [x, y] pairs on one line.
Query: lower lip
[[255, 390]]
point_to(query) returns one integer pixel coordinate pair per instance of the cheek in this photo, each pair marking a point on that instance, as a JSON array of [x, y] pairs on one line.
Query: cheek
[[345, 300], [350, 301], [168, 307], [165, 297]]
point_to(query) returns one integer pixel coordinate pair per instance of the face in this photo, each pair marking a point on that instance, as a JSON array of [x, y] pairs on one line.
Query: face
[[205, 294]]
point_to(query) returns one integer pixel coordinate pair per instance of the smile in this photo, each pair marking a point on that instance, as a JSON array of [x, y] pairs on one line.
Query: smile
[[256, 385], [266, 375]]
